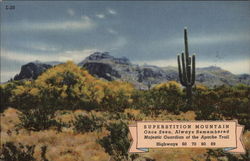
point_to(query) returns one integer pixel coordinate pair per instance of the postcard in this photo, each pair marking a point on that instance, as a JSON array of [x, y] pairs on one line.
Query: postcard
[[125, 80]]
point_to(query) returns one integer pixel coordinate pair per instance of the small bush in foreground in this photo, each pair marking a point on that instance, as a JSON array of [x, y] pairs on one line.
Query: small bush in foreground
[[116, 143], [6, 93], [84, 124], [221, 155], [38, 119], [11, 152]]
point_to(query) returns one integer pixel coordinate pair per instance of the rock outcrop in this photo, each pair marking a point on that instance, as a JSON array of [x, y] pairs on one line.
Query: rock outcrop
[[32, 70], [102, 70]]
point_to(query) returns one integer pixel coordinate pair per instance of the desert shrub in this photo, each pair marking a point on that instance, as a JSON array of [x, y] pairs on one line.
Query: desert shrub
[[138, 99], [116, 143], [64, 86], [165, 96], [84, 123], [117, 96], [223, 102], [27, 96], [43, 153], [235, 102], [11, 152], [142, 100], [22, 96], [6, 93], [168, 96], [117, 116], [69, 86], [221, 155], [206, 103], [40, 118]]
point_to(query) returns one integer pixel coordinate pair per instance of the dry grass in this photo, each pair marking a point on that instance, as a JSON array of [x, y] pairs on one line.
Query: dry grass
[[176, 154], [246, 140], [63, 146], [70, 146]]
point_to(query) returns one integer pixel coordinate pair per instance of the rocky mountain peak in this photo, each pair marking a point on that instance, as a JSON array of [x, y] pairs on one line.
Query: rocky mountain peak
[[100, 56], [104, 57], [211, 68]]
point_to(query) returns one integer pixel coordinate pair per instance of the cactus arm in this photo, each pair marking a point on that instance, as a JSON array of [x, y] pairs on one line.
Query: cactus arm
[[179, 69], [186, 46], [193, 70], [189, 70], [184, 75]]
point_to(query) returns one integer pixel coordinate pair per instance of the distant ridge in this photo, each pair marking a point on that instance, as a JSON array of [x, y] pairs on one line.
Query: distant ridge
[[106, 66]]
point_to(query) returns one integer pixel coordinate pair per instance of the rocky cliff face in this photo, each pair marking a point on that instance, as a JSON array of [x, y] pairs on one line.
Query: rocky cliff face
[[244, 78], [108, 67], [101, 70], [32, 70]]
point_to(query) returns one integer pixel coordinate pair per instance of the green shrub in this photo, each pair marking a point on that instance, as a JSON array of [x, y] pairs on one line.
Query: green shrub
[[117, 96], [43, 153], [83, 123], [205, 103], [39, 119], [221, 155], [223, 102], [142, 99], [6, 93], [25, 96], [116, 143], [117, 116], [166, 96], [11, 152]]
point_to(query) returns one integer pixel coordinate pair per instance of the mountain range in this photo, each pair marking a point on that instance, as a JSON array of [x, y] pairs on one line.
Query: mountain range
[[105, 66]]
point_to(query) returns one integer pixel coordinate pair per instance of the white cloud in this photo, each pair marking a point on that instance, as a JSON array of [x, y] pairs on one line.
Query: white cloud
[[39, 46], [85, 18], [236, 67], [118, 43], [215, 38], [74, 55], [111, 11], [24, 57], [101, 16], [6, 75], [112, 31], [108, 12], [83, 24], [160, 63], [71, 12], [75, 25]]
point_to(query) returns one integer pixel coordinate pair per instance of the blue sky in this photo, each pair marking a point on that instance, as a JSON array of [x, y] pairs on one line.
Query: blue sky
[[143, 31]]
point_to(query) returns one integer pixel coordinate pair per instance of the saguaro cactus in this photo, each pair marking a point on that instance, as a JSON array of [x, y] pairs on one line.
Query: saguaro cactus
[[186, 69]]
